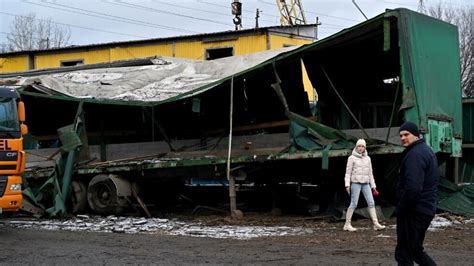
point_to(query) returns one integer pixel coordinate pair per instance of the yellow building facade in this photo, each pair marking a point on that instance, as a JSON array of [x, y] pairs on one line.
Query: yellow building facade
[[199, 47]]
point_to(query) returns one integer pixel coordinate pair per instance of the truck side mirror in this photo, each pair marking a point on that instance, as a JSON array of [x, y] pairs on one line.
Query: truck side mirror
[[24, 129], [21, 111]]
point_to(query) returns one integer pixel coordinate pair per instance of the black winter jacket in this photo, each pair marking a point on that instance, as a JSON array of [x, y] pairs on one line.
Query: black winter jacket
[[417, 186]]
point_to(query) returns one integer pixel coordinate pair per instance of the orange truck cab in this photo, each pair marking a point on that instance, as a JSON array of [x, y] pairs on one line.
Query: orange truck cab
[[12, 155]]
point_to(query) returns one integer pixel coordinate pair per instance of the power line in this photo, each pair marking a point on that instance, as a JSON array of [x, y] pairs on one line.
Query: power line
[[246, 10], [227, 7], [327, 31], [201, 10], [174, 5], [332, 27], [330, 16], [336, 25], [425, 4], [21, 35], [110, 17], [150, 9], [120, 17], [189, 8], [75, 26], [395, 3], [318, 14]]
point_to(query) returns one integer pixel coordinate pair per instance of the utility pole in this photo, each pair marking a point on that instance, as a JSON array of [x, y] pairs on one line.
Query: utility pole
[[318, 23], [257, 15]]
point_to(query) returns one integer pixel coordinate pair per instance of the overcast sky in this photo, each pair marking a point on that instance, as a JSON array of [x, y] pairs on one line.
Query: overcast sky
[[103, 21]]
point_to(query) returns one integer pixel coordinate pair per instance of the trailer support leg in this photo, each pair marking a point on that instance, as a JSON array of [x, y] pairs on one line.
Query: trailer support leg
[[456, 170], [139, 200], [232, 195]]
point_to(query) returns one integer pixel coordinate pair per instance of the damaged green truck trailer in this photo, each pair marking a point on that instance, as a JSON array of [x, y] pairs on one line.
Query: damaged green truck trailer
[[398, 66]]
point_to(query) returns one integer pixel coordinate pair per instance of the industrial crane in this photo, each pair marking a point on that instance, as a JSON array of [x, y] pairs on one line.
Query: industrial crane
[[291, 12]]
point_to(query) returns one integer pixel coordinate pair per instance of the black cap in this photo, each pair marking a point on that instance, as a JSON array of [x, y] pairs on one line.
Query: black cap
[[410, 127]]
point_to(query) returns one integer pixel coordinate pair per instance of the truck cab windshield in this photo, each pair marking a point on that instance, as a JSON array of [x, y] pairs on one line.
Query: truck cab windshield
[[9, 124]]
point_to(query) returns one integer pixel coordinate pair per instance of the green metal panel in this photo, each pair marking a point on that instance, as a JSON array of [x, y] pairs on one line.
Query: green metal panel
[[440, 138], [458, 200], [386, 35], [457, 147], [430, 69], [196, 108], [433, 136]]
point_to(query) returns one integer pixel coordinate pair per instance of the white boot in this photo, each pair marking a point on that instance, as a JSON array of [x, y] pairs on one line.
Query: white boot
[[347, 225], [373, 215]]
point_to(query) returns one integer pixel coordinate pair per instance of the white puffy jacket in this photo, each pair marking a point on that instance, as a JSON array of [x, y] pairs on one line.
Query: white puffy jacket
[[359, 169]]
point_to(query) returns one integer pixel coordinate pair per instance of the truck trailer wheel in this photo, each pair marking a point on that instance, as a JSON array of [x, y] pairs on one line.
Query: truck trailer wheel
[[108, 194], [78, 197]]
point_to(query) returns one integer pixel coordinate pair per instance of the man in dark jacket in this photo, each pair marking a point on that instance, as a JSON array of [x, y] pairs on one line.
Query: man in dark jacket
[[417, 194]]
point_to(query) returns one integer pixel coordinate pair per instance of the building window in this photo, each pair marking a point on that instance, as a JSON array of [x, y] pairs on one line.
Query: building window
[[75, 62], [214, 53], [31, 61]]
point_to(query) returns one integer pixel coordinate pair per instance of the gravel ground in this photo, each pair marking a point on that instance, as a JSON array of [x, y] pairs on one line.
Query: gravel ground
[[449, 241]]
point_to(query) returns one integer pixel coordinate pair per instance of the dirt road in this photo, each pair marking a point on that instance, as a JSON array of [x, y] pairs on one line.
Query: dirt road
[[327, 244]]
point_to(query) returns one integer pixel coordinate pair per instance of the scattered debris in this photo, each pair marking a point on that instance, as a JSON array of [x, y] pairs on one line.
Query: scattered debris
[[439, 223], [140, 225], [129, 225]]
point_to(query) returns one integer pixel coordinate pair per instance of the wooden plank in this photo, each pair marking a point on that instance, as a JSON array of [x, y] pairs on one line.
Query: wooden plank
[[272, 124], [265, 125], [158, 149]]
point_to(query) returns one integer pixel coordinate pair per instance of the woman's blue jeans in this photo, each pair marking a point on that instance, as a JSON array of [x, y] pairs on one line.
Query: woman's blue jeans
[[355, 192]]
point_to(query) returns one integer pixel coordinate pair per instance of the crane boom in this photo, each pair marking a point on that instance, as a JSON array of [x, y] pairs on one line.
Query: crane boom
[[291, 12]]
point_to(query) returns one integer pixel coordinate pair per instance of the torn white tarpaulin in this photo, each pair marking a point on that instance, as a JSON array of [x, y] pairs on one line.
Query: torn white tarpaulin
[[168, 77]]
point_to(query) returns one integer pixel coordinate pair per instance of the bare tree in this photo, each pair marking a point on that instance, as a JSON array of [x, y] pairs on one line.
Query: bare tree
[[28, 32], [463, 17], [3, 48]]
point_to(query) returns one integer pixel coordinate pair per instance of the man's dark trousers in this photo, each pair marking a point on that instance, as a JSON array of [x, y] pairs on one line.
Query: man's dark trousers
[[411, 229]]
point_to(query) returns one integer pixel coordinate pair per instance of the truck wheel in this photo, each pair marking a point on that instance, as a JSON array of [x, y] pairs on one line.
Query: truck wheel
[[78, 197], [102, 195]]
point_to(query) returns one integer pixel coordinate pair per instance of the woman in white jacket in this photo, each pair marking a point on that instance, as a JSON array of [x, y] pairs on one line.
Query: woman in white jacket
[[359, 177]]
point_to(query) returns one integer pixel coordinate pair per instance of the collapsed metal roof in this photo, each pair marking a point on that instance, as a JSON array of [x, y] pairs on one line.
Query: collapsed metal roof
[[386, 46], [163, 80]]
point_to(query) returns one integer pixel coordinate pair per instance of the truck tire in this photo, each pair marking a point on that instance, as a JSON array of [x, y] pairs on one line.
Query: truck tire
[[78, 197], [102, 196]]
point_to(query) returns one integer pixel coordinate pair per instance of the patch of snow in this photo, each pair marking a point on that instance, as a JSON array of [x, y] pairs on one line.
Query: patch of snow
[[470, 221], [88, 78], [439, 223], [132, 225], [128, 96]]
